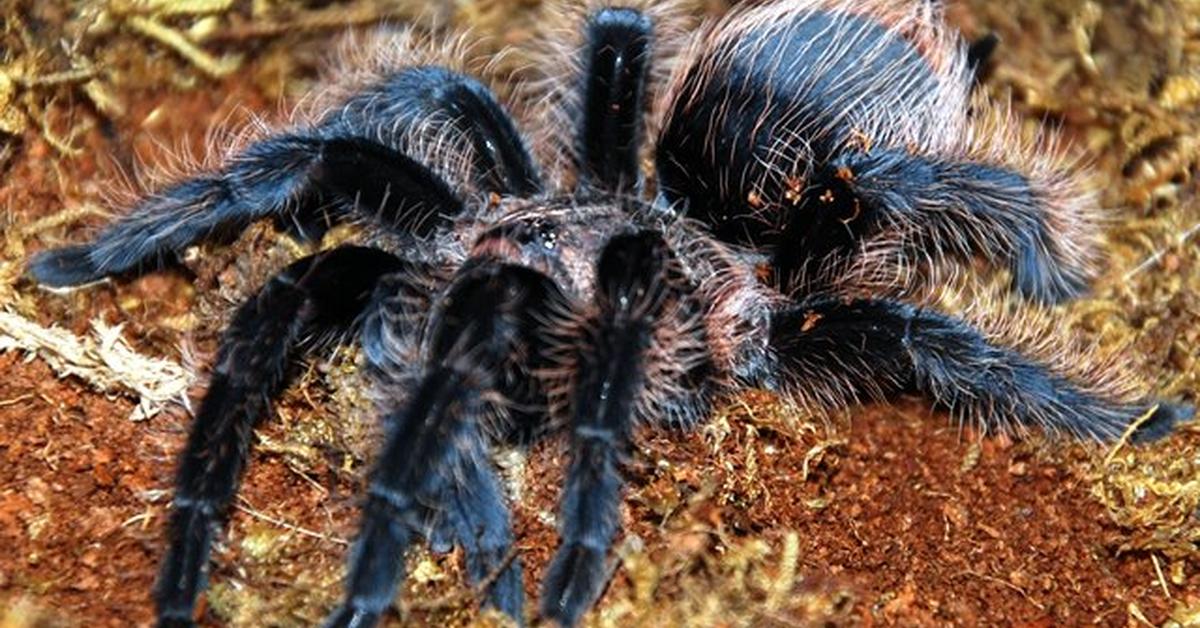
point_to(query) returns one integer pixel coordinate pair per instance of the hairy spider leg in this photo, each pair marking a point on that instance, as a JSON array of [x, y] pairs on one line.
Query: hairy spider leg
[[764, 144], [474, 510], [632, 294], [313, 300], [261, 182], [874, 349], [419, 95], [433, 473], [617, 57], [962, 209], [353, 160]]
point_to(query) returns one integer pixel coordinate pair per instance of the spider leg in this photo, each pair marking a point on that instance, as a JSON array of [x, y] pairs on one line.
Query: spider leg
[[632, 293], [835, 351], [427, 446], [317, 296], [962, 209], [262, 181], [617, 57], [479, 519], [433, 470], [433, 101], [355, 160]]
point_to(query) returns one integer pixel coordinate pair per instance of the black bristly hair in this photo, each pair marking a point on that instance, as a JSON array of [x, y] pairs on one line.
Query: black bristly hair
[[836, 141], [618, 57], [435, 445], [312, 299], [353, 161], [631, 297], [752, 164]]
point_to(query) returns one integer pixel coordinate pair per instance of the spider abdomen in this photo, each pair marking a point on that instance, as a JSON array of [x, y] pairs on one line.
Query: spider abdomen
[[759, 119], [768, 110]]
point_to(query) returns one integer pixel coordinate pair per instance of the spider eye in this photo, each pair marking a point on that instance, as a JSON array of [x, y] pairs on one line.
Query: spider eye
[[548, 234]]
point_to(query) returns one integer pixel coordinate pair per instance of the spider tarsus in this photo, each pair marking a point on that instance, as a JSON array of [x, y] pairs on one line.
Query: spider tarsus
[[573, 581], [480, 521], [349, 617], [387, 528], [65, 267], [1038, 277], [440, 537], [175, 622], [1163, 422], [184, 569]]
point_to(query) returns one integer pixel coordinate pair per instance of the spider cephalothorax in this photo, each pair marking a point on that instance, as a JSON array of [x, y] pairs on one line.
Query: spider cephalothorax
[[816, 160]]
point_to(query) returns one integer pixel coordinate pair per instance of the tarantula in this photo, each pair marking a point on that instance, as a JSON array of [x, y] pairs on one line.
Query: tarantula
[[816, 162]]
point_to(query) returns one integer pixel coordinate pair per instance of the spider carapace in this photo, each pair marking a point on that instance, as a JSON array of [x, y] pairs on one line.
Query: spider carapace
[[835, 144]]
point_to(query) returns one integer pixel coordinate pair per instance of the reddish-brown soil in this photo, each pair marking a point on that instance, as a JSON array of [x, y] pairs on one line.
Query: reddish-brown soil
[[912, 532]]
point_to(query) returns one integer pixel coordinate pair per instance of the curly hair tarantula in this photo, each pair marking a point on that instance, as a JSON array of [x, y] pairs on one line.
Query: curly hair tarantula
[[817, 162]]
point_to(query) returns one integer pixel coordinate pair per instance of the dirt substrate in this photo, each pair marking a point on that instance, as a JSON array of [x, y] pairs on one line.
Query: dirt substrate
[[883, 515]]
